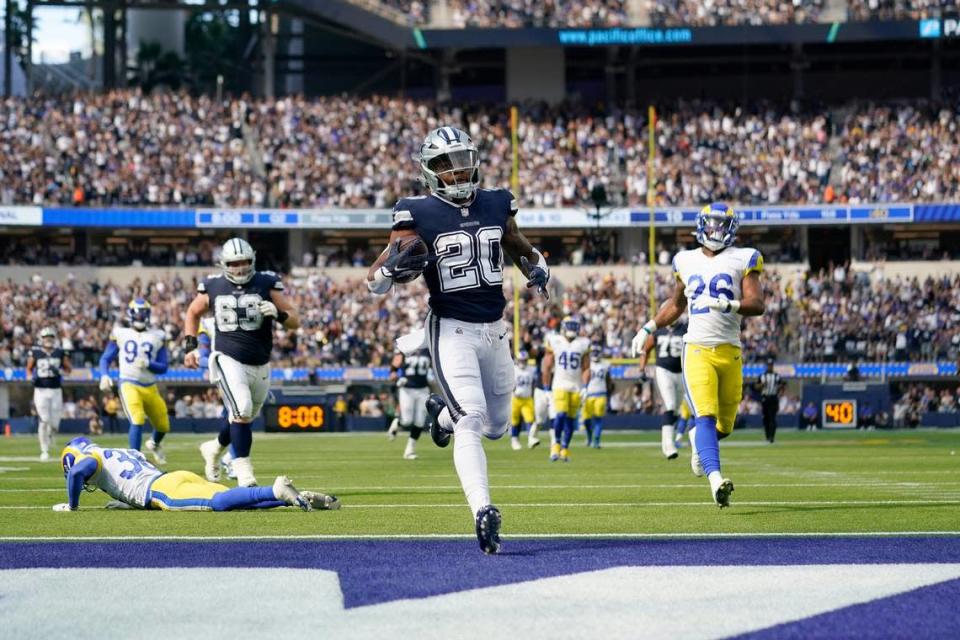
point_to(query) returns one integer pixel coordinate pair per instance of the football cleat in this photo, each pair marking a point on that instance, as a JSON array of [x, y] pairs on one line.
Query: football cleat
[[554, 452], [667, 447], [44, 457], [533, 443], [721, 494], [211, 450], [156, 451], [244, 469], [392, 431], [284, 490], [226, 466], [410, 453], [488, 529], [695, 465], [440, 436], [515, 444], [596, 444], [320, 501], [565, 455]]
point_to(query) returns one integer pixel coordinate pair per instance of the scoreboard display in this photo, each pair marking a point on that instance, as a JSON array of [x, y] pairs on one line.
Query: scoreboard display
[[839, 414], [295, 417]]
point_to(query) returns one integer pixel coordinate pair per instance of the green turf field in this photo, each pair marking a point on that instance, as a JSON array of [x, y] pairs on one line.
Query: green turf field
[[807, 483]]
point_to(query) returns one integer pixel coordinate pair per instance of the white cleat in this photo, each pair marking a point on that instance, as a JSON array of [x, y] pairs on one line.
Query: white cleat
[[320, 501], [393, 430], [44, 456], [721, 488], [211, 450], [533, 443], [244, 469], [284, 490], [156, 451], [515, 444], [410, 453], [667, 447]]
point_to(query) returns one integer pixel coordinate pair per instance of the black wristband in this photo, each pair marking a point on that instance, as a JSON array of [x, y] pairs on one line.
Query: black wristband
[[282, 316], [190, 343]]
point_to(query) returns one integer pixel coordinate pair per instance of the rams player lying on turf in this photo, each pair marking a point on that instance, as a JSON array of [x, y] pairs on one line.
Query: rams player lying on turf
[[125, 475]]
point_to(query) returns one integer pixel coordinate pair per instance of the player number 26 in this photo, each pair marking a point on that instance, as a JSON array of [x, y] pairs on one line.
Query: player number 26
[[719, 287], [463, 258]]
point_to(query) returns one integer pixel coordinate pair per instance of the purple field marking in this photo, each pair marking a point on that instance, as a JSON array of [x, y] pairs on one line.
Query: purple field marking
[[928, 612], [373, 571]]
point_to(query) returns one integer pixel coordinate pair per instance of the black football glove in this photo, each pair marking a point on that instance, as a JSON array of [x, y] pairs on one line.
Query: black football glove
[[402, 265], [536, 276]]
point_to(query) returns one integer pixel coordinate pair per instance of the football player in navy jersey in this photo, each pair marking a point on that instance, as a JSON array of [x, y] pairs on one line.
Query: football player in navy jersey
[[245, 304], [44, 366], [467, 231], [413, 376]]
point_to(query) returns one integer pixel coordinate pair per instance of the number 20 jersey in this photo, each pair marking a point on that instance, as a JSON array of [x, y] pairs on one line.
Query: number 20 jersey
[[465, 274], [241, 331], [719, 276]]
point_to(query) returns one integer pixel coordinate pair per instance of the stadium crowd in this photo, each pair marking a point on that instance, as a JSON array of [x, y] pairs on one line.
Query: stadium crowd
[[118, 149], [832, 315], [712, 13], [899, 9]]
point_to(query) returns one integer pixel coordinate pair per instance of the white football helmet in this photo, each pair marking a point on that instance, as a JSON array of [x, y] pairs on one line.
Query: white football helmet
[[48, 337], [235, 252], [445, 155]]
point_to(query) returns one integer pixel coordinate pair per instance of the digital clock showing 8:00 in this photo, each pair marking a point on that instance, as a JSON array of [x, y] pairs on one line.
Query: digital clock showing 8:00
[[839, 413], [295, 417]]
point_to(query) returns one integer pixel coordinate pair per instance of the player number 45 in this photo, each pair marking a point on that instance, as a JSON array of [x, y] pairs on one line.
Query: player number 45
[[719, 288]]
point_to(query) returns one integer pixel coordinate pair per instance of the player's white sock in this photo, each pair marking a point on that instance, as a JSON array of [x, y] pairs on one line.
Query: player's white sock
[[667, 446], [244, 469], [471, 464], [553, 436], [715, 481], [445, 419], [44, 438], [410, 453]]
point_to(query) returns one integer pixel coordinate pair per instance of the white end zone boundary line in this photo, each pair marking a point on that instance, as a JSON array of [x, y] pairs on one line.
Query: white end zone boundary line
[[464, 536]]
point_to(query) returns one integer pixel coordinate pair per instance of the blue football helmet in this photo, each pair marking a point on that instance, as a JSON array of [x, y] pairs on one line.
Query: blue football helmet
[[73, 450], [523, 356], [570, 327], [717, 226], [138, 313]]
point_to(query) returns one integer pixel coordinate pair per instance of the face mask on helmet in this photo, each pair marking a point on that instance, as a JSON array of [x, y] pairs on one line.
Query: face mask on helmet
[[237, 259], [48, 339], [717, 226], [457, 174], [571, 329], [238, 271], [138, 314]]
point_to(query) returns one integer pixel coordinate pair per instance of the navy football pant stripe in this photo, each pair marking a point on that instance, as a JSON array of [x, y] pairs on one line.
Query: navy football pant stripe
[[222, 383], [433, 324]]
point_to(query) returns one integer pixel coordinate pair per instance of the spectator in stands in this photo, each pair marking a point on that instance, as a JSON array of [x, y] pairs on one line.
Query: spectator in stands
[[810, 418]]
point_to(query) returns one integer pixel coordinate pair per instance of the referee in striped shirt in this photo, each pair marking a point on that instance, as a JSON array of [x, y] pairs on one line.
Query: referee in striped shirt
[[770, 386]]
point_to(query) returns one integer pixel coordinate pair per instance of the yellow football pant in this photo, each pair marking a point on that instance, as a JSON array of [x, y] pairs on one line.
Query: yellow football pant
[[521, 409], [140, 403], [567, 402], [594, 407], [183, 491], [713, 378]]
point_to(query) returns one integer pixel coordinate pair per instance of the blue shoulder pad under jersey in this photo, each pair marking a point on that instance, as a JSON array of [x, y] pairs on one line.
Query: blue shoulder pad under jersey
[[79, 474], [109, 354]]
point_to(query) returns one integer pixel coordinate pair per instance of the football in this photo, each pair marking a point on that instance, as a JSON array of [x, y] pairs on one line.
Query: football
[[419, 249]]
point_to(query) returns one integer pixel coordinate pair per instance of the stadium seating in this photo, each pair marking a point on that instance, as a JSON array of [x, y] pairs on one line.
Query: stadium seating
[[340, 152]]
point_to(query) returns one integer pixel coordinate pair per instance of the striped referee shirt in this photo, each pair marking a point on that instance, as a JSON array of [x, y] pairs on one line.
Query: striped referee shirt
[[770, 383]]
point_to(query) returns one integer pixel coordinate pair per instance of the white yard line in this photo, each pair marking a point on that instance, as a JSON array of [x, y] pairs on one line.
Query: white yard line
[[605, 505], [463, 536]]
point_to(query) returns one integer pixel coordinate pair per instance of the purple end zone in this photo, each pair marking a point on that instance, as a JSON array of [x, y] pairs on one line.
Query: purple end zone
[[928, 612], [373, 571]]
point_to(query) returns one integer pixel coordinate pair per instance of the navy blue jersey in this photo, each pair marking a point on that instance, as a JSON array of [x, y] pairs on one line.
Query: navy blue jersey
[[466, 277], [242, 332], [46, 368], [668, 342], [415, 369]]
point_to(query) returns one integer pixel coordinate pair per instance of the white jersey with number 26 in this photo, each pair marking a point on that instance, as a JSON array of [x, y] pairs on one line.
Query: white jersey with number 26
[[719, 276]]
